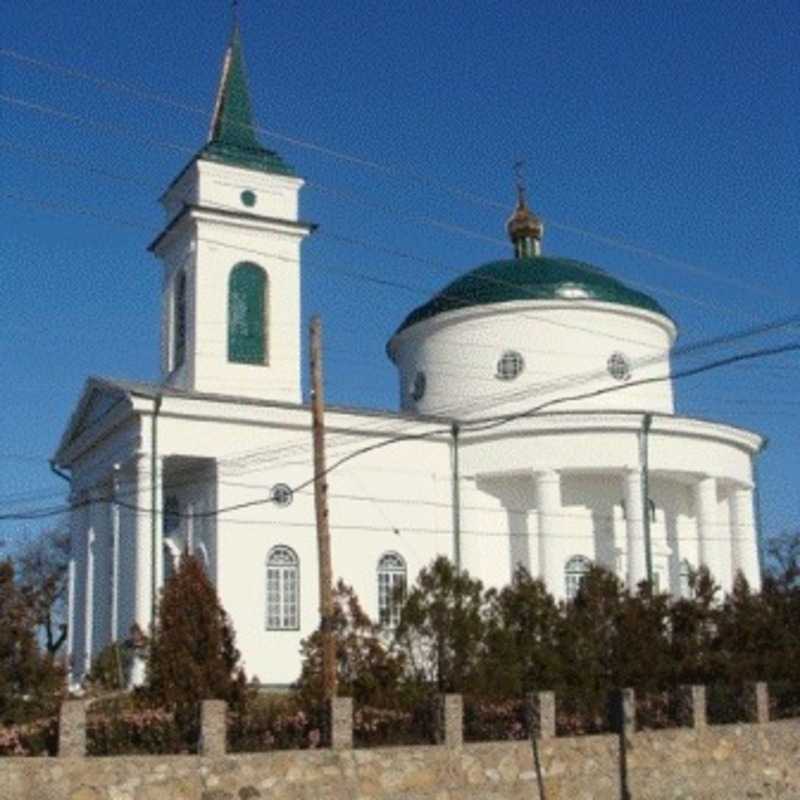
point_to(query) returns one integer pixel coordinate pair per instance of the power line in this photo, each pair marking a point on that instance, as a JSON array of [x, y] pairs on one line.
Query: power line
[[476, 426], [489, 401], [560, 383], [725, 309], [392, 170]]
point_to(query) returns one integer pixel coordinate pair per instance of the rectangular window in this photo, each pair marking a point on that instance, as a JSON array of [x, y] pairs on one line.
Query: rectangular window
[[391, 588], [282, 598]]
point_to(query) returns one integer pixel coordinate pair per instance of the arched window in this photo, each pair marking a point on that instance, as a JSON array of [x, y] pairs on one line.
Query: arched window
[[391, 588], [179, 321], [283, 589], [685, 586], [247, 314], [576, 570]]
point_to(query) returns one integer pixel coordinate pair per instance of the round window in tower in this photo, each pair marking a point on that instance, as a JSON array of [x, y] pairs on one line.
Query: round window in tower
[[418, 386], [248, 197], [510, 365], [619, 367]]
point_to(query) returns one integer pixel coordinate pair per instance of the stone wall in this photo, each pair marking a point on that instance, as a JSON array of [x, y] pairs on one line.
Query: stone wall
[[756, 760]]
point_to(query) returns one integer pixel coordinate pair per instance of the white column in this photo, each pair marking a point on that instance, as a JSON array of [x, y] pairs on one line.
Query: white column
[[141, 499], [75, 518], [159, 525], [744, 538], [634, 527], [90, 516], [116, 489], [534, 532], [705, 508], [548, 504]]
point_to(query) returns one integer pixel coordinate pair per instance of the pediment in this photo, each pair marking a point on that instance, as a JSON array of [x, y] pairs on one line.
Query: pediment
[[98, 403]]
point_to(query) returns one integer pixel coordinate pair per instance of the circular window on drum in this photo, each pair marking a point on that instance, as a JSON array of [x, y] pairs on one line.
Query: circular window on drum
[[510, 365], [418, 387], [619, 367]]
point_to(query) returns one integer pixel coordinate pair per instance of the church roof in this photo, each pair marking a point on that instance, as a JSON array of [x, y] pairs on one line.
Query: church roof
[[534, 278], [233, 138]]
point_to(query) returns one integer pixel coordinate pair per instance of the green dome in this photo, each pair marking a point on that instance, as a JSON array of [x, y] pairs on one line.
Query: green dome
[[537, 278]]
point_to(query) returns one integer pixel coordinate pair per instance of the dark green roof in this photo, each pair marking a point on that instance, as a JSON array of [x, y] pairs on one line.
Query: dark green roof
[[233, 138], [537, 278]]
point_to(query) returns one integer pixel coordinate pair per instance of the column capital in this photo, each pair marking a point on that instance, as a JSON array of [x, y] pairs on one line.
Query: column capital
[[546, 476]]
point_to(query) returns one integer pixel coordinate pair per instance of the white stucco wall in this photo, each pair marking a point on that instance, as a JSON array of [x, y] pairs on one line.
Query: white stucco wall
[[565, 346], [535, 491], [218, 454], [211, 232]]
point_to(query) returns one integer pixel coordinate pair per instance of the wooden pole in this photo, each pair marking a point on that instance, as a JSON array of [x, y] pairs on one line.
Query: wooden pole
[[321, 507]]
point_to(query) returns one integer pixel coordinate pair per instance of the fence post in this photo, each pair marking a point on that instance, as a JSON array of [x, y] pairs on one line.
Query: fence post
[[757, 699], [453, 720], [542, 714], [698, 706], [72, 729], [213, 727], [342, 723], [623, 711]]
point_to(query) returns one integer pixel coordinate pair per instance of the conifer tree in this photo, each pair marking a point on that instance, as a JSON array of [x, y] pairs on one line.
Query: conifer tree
[[694, 649], [442, 626], [192, 653], [366, 670], [523, 622]]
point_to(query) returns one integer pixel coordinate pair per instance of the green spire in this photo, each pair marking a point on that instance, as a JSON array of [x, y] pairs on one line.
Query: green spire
[[233, 139]]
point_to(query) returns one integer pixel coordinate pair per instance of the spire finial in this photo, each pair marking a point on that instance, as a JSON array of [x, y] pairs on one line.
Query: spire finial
[[524, 227], [519, 167]]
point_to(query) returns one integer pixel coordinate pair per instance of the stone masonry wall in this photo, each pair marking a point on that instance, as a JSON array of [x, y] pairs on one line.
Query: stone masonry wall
[[757, 761], [719, 763]]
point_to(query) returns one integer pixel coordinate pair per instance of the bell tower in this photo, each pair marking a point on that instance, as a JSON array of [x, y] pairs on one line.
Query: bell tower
[[230, 249]]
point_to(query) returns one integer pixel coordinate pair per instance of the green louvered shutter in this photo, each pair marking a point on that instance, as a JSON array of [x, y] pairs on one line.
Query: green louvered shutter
[[247, 314], [180, 322]]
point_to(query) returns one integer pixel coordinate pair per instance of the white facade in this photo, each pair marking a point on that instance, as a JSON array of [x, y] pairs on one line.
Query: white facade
[[565, 349], [192, 462], [208, 229]]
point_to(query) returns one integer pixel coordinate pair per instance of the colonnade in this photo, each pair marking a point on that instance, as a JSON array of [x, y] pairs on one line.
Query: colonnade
[[115, 540], [725, 543]]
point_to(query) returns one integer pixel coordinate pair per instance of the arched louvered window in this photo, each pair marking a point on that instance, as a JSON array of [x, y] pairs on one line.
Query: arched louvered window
[[247, 314], [283, 589], [576, 570], [179, 321], [391, 588]]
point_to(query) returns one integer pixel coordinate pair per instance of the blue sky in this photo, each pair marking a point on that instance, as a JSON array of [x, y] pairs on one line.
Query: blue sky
[[668, 127]]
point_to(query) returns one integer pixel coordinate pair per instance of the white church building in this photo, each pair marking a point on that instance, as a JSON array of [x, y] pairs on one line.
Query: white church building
[[216, 458]]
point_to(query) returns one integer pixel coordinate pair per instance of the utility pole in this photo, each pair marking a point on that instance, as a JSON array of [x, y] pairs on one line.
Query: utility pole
[[321, 508]]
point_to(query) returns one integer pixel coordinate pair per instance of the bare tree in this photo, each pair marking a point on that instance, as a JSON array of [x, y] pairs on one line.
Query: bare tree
[[41, 568], [783, 558]]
